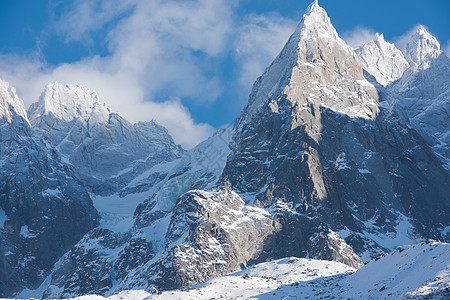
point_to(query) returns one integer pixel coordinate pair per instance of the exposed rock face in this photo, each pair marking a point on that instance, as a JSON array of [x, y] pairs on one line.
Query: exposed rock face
[[346, 172], [222, 234], [314, 57], [208, 234], [105, 149], [422, 100], [315, 166], [44, 209], [422, 96], [73, 144], [328, 245], [416, 90]]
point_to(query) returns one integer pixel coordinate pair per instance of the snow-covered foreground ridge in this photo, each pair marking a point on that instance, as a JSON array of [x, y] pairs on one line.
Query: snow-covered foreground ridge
[[416, 271], [334, 158]]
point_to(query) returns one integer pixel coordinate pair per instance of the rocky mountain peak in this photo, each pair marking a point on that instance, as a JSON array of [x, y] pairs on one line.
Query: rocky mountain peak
[[10, 104], [420, 47], [103, 147], [312, 168], [316, 20], [314, 60], [66, 103], [382, 60]]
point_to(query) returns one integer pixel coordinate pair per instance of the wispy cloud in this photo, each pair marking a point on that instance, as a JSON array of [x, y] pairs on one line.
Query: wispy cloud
[[260, 38], [154, 49], [160, 55], [358, 36], [81, 18]]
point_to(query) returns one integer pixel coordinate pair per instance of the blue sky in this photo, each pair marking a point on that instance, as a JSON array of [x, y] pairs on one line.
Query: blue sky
[[189, 64]]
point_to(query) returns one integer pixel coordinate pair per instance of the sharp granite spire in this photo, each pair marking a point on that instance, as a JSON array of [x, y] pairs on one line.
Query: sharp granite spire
[[10, 104], [313, 167], [382, 60], [420, 47], [66, 103], [314, 51]]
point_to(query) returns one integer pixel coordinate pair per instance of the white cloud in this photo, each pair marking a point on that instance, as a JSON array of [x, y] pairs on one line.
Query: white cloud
[[260, 39], [82, 17], [154, 47], [176, 118], [358, 36], [119, 91]]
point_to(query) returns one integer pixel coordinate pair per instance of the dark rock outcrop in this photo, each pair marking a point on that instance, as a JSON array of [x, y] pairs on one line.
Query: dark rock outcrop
[[46, 210]]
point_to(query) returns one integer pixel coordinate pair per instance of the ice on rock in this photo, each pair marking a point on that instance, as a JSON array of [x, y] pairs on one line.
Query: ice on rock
[[10, 104], [106, 150], [309, 169], [66, 103], [32, 215], [420, 48], [416, 84], [175, 187], [382, 60], [421, 97], [202, 166]]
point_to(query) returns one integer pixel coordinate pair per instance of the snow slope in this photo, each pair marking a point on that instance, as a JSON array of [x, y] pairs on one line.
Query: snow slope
[[416, 271], [414, 81], [44, 210]]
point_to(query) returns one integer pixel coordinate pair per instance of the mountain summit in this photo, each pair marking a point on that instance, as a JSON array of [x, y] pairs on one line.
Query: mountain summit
[[10, 104], [66, 103], [315, 67], [382, 60], [420, 47], [313, 167], [44, 208], [97, 142], [320, 164]]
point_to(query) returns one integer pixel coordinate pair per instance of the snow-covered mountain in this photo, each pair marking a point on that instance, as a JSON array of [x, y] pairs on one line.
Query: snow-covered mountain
[[70, 150], [44, 209], [105, 149], [313, 167], [411, 272], [338, 156], [416, 84], [420, 48], [382, 60]]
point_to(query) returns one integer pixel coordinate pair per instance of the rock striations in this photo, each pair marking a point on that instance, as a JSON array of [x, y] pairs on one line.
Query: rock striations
[[340, 155]]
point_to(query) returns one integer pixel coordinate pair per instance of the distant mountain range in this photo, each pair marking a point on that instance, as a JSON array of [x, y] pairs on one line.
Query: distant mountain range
[[341, 155]]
